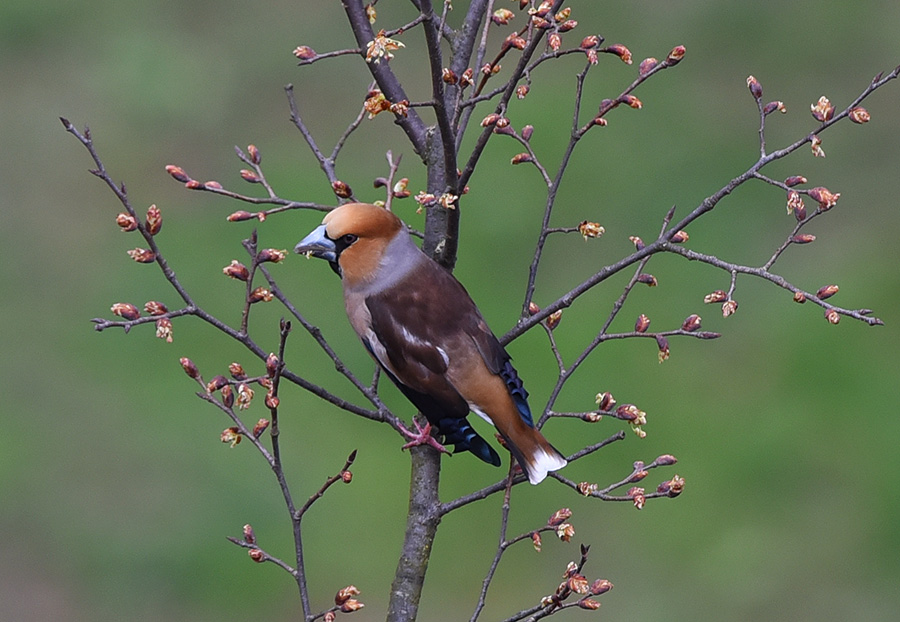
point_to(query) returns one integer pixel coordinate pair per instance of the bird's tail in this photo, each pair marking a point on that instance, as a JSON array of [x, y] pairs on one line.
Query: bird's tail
[[533, 452], [464, 438]]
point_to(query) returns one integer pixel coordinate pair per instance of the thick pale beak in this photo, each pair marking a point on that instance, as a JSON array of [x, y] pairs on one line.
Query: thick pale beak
[[318, 245]]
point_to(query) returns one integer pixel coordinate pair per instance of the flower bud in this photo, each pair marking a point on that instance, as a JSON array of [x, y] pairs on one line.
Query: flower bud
[[638, 242], [827, 291], [490, 120], [228, 396], [553, 319], [666, 460], [232, 436], [249, 536], [501, 17], [345, 594], [803, 238], [142, 255], [755, 88], [127, 222], [237, 371], [646, 65], [716, 296], [859, 115], [832, 316], [663, 345], [250, 176], [794, 180], [347, 476], [522, 91], [189, 368], [154, 220], [773, 106], [729, 307], [236, 270], [164, 329], [514, 41], [691, 323], [578, 584], [565, 531], [178, 173], [240, 215], [587, 488], [467, 78], [600, 586], [244, 396], [341, 189], [824, 197], [271, 254], [621, 51], [590, 229], [632, 101], [605, 401], [448, 76], [675, 55], [590, 42], [589, 604], [794, 202], [822, 110], [816, 145], [304, 52], [351, 605], [647, 279], [261, 426], [563, 15], [216, 383], [536, 541], [527, 131], [569, 24], [255, 155], [559, 516], [125, 310], [272, 400], [680, 237], [799, 297], [256, 554], [261, 294], [637, 497], [642, 324]]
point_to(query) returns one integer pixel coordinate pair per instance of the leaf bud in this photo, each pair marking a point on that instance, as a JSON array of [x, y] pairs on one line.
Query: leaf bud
[[638, 242], [236, 270], [553, 319], [522, 91], [691, 323], [228, 396], [346, 476], [569, 24], [255, 155], [249, 535], [521, 158], [272, 400], [154, 220], [154, 307], [578, 584], [178, 173], [632, 102], [232, 436], [794, 180], [125, 310], [142, 255], [448, 76], [859, 115], [590, 42], [666, 460], [244, 396], [799, 297], [536, 541], [527, 131], [642, 324], [127, 222], [563, 15], [680, 237], [467, 78], [351, 605], [490, 120], [256, 555], [824, 197], [237, 371], [647, 279], [816, 145], [794, 201], [755, 88]]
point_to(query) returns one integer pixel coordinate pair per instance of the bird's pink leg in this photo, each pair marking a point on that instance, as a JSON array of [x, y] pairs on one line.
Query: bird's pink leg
[[422, 436]]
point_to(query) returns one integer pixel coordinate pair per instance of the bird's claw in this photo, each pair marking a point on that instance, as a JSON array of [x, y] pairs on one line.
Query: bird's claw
[[422, 436]]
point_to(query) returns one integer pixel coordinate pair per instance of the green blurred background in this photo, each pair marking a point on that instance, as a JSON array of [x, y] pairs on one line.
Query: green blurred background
[[115, 494]]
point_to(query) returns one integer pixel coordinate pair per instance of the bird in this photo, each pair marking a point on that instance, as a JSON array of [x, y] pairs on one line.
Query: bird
[[424, 330]]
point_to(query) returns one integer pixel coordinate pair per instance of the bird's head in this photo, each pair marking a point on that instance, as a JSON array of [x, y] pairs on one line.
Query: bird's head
[[353, 238]]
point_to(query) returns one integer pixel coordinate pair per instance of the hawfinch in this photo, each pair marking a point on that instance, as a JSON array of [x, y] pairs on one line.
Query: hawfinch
[[420, 325]]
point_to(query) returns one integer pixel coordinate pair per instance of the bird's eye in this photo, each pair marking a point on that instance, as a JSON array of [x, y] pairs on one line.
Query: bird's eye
[[349, 239]]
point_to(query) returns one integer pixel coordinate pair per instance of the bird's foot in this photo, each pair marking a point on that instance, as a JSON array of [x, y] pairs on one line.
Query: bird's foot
[[422, 436]]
